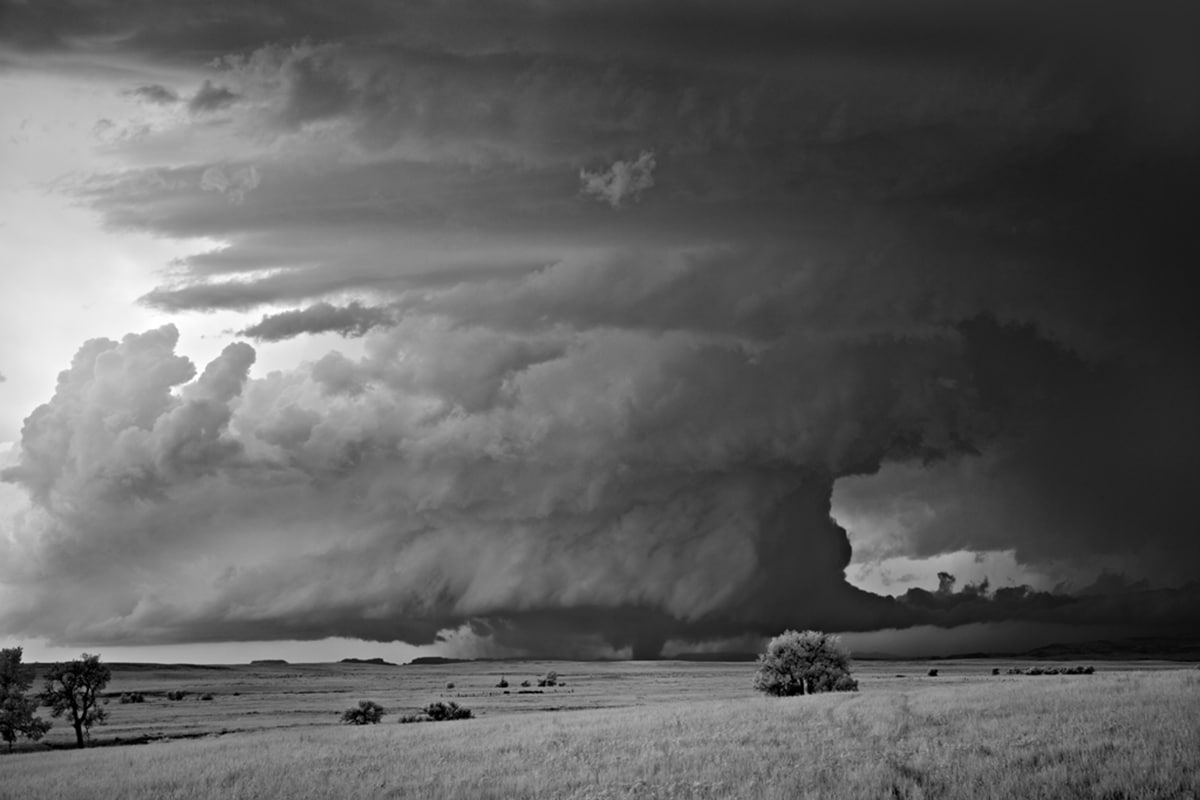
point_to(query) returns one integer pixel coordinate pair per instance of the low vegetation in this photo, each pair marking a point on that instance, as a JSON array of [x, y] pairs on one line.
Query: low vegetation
[[1114, 735], [439, 712], [368, 712]]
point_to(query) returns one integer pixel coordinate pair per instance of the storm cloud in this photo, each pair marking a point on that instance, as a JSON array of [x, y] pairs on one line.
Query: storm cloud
[[639, 294]]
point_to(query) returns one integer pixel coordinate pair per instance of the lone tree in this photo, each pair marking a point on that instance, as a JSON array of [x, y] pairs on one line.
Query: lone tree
[[16, 710], [74, 687], [804, 663]]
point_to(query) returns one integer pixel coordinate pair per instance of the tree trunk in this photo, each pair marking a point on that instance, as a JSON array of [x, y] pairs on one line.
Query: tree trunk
[[78, 734]]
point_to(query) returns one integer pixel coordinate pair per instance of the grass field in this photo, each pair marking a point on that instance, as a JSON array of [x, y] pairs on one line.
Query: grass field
[[637, 730]]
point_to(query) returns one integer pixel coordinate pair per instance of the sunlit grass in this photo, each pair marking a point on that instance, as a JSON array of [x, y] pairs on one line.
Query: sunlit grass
[[1122, 735]]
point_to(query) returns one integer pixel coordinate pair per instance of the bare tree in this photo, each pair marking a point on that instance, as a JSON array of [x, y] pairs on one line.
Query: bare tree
[[74, 687]]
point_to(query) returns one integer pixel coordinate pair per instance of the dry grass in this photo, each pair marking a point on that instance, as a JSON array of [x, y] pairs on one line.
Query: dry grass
[[1116, 735]]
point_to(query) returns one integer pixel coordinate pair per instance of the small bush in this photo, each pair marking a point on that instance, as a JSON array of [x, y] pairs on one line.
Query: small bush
[[1015, 671], [503, 684], [177, 695], [206, 697], [132, 697], [1034, 671], [551, 678], [367, 713], [845, 683], [525, 684], [995, 670], [438, 712], [450, 685], [933, 673], [1088, 670]]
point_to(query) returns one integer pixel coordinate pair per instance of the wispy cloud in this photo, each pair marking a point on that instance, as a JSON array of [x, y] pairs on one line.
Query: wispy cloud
[[353, 319], [154, 93]]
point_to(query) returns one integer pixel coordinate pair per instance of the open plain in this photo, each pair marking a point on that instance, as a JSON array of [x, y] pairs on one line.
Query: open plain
[[630, 730]]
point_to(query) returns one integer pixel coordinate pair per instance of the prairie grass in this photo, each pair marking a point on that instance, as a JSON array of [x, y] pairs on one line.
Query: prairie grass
[[1116, 735]]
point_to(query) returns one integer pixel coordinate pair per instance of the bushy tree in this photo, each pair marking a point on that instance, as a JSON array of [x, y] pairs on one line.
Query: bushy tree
[[16, 710], [804, 663], [74, 688], [368, 713]]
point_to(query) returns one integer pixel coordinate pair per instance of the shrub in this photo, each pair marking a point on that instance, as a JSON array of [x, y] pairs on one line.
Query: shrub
[[450, 685], [804, 663], [1015, 671], [933, 673], [525, 684], [1088, 670], [132, 697], [503, 684], [845, 683], [551, 678], [206, 697], [438, 712], [1034, 671], [367, 713], [177, 695]]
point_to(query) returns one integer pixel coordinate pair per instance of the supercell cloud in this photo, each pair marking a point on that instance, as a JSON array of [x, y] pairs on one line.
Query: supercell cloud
[[937, 277]]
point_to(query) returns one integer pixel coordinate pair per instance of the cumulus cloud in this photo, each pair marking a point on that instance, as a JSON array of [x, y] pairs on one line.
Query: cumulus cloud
[[470, 450], [623, 181], [633, 487]]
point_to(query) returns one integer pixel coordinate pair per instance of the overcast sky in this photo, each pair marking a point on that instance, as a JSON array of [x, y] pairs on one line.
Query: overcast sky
[[595, 328]]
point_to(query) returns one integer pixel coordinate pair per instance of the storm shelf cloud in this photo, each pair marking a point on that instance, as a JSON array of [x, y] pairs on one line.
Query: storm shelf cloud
[[655, 325]]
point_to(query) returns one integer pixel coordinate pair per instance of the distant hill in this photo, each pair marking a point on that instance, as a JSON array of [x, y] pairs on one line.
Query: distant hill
[[269, 662], [714, 657], [376, 661], [137, 666], [1135, 647], [427, 660]]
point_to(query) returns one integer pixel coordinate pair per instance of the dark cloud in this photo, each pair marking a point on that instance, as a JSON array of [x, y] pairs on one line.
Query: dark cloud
[[353, 319], [908, 256], [155, 93], [211, 97]]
